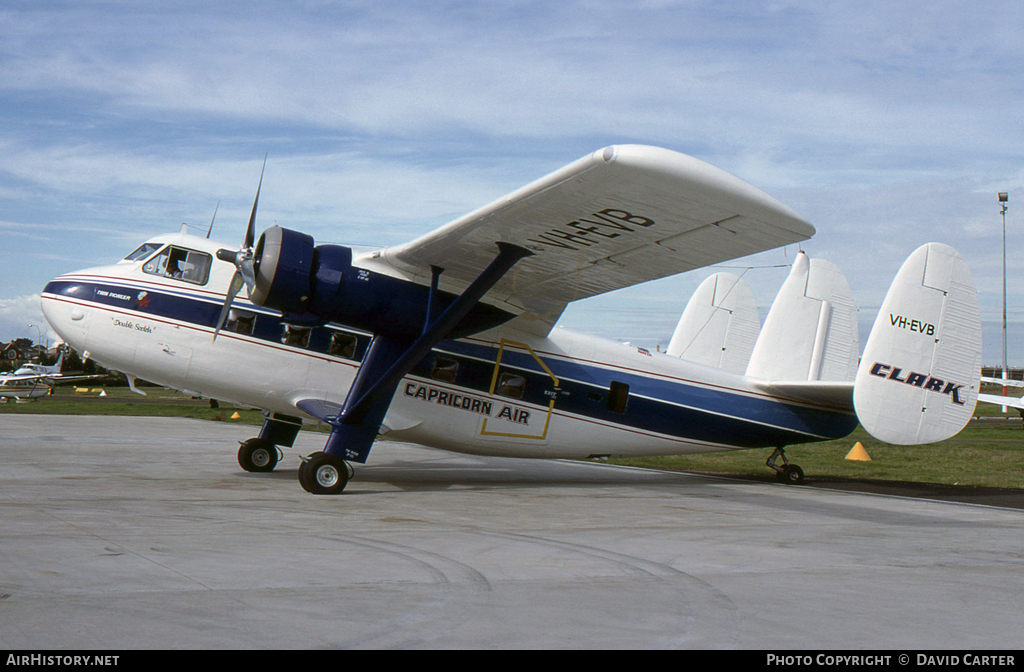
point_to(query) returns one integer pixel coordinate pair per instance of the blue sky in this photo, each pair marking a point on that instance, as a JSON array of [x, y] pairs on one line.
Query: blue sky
[[887, 125]]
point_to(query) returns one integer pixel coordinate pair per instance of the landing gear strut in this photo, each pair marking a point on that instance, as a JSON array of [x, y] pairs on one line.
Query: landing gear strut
[[787, 473]]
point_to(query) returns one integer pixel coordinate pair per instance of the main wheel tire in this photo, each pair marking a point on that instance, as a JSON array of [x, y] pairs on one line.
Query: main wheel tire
[[791, 475], [324, 474], [257, 455]]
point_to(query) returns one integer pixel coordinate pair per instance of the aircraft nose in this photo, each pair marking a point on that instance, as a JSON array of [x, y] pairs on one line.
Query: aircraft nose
[[66, 316]]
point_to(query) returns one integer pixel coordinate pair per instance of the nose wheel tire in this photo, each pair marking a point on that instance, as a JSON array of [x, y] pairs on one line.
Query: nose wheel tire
[[324, 474], [257, 455]]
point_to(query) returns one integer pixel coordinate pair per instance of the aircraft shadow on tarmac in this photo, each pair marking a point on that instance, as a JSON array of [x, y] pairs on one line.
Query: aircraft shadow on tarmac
[[443, 474]]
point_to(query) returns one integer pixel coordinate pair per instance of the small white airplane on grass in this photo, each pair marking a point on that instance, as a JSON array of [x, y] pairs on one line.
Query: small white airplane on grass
[[31, 381], [448, 340]]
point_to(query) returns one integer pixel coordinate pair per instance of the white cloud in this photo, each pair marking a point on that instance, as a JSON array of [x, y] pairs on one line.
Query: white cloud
[[17, 314], [533, 70]]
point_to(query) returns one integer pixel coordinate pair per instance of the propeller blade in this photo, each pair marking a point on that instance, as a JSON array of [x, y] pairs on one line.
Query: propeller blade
[[250, 232], [236, 284], [245, 267]]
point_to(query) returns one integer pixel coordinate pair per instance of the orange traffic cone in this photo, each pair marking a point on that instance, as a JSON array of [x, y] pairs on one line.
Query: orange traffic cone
[[858, 453]]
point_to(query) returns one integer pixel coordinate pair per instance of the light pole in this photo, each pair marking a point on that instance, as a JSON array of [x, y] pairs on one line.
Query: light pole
[[1004, 197], [39, 334]]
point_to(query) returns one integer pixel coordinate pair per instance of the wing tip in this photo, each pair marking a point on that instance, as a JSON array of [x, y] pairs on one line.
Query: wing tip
[[673, 164]]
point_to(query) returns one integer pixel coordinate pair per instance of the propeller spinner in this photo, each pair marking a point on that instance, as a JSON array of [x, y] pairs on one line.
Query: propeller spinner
[[243, 259]]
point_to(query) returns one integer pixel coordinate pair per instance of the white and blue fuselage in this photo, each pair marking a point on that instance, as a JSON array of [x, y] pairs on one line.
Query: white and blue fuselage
[[501, 392]]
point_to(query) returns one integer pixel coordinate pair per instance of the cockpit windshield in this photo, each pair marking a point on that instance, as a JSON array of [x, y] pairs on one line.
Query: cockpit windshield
[[143, 251], [181, 264]]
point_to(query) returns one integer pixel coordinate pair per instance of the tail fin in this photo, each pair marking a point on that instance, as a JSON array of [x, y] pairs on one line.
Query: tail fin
[[811, 330], [719, 325], [918, 378]]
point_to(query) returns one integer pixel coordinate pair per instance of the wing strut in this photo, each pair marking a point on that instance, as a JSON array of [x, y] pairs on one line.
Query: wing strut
[[389, 359], [435, 275]]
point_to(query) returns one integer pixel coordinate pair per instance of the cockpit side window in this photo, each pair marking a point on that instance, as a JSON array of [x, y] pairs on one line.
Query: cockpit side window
[[181, 264], [143, 251]]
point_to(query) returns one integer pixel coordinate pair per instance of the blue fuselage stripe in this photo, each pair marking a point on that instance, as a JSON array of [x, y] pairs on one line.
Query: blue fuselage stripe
[[677, 407]]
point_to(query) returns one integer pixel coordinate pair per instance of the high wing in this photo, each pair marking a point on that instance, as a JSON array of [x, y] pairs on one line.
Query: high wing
[[30, 377], [620, 216], [64, 379], [52, 378]]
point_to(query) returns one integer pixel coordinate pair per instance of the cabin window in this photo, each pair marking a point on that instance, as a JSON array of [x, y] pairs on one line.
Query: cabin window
[[618, 394], [511, 385], [445, 369], [180, 264], [143, 251], [343, 345], [240, 322], [297, 336]]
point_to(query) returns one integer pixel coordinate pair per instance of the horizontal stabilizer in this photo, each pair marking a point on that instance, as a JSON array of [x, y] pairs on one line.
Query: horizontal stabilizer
[[811, 330], [719, 325], [1000, 400], [1006, 382], [918, 377], [837, 395]]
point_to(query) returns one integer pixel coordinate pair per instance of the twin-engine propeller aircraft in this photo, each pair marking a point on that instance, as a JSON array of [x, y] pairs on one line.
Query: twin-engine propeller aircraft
[[448, 340]]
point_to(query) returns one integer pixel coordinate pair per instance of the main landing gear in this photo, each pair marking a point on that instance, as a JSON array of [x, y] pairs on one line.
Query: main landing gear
[[787, 473], [324, 474], [320, 473]]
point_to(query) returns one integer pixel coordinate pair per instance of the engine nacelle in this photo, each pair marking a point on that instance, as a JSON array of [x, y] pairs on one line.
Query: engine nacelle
[[283, 264], [319, 283]]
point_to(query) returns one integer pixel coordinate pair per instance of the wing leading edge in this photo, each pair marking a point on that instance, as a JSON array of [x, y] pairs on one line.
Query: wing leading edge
[[620, 216]]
